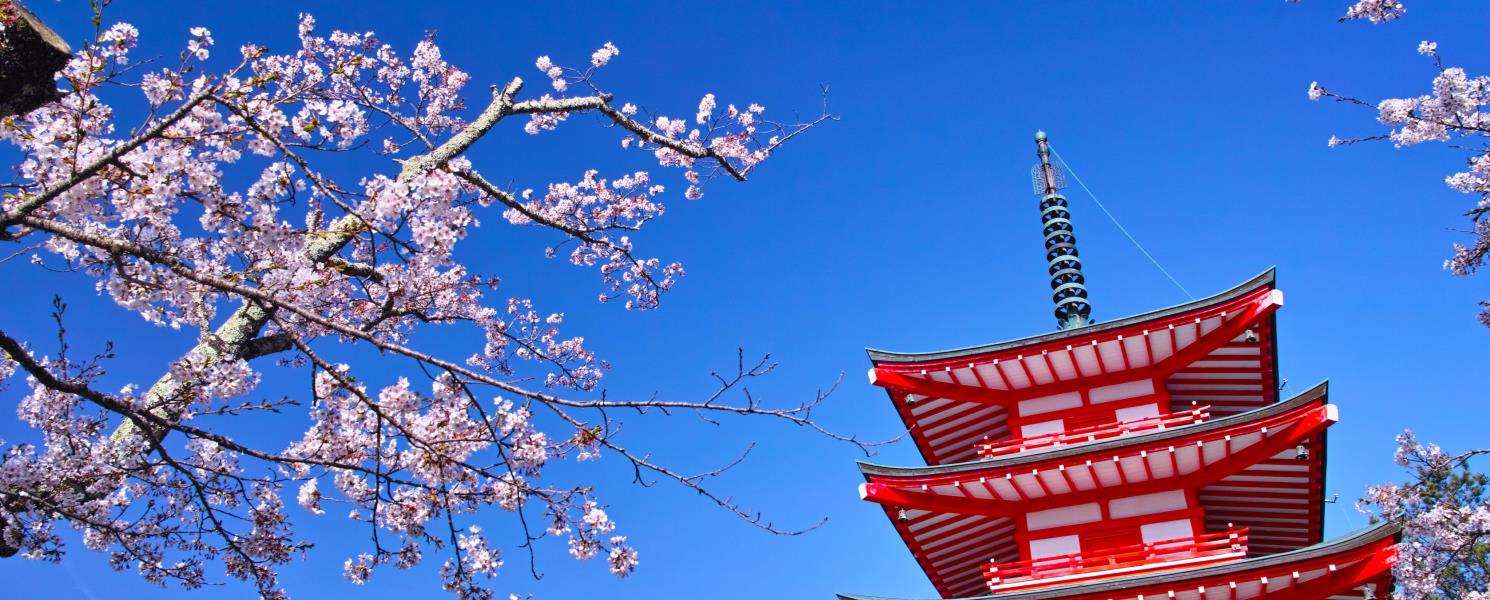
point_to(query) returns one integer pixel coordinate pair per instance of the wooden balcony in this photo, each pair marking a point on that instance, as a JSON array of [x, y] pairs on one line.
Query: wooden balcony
[[989, 450], [1127, 560]]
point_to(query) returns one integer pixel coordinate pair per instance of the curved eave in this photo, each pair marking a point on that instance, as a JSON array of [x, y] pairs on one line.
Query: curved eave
[[1242, 474], [1354, 542], [1264, 279], [1318, 393]]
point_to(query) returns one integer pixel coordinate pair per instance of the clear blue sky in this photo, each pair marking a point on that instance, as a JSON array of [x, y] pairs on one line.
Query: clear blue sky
[[909, 225]]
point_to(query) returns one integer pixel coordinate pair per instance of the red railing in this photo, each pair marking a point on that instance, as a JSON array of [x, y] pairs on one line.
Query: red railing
[[988, 450], [1222, 544]]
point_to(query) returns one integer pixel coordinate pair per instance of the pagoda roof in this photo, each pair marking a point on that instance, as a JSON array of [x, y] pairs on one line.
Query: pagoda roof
[[1318, 394], [1217, 351], [1244, 468], [1328, 569], [1266, 278]]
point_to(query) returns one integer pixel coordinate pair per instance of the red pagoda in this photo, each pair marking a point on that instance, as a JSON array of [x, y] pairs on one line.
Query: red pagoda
[[1139, 459]]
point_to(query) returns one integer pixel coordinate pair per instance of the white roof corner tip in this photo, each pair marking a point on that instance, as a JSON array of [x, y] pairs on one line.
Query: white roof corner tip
[[1332, 413], [873, 378], [1276, 297], [864, 491]]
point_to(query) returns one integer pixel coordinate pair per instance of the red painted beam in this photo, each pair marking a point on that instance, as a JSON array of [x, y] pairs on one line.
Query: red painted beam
[[1035, 347], [903, 498], [900, 381], [1306, 426], [1223, 335], [1344, 580], [1372, 564], [935, 389]]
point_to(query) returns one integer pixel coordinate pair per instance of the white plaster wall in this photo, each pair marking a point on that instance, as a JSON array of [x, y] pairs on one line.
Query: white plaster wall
[[1147, 504], [1121, 391], [1137, 412], [1045, 404], [1167, 530], [1065, 515], [1042, 428], [1056, 546]]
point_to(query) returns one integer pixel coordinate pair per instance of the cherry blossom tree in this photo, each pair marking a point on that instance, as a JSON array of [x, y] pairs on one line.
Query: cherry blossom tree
[[1453, 112], [1444, 508], [298, 263], [1445, 511]]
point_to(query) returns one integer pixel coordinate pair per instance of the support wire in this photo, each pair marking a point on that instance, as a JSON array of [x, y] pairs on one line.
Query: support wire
[[1120, 227]]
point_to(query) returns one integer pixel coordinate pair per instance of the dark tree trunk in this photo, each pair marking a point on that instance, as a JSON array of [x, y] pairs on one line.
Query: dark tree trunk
[[30, 56]]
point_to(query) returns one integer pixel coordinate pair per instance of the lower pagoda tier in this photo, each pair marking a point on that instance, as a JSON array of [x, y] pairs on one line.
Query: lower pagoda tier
[[1356, 567], [1144, 495], [1219, 351]]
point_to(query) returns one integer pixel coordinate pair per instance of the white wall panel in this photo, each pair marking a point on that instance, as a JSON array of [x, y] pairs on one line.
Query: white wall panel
[[1121, 391], [1056, 546], [1147, 504], [1042, 428], [1137, 412], [1090, 512], [1167, 530], [1045, 404]]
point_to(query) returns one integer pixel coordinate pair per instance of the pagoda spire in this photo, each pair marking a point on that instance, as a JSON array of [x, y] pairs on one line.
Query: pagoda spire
[[1068, 284]]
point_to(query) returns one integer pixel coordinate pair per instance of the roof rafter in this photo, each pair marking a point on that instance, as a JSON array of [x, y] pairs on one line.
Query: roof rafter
[[1307, 425], [898, 380]]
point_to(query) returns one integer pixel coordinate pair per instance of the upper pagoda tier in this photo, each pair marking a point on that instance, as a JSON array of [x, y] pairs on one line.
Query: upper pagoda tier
[[1217, 352]]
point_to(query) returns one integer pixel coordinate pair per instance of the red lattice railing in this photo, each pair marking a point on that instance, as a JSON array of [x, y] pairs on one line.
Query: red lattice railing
[[1211, 545], [987, 450]]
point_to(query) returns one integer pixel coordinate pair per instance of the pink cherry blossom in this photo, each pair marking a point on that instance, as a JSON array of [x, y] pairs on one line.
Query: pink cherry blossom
[[603, 55], [221, 218], [705, 109], [1456, 107], [1376, 11], [1445, 514]]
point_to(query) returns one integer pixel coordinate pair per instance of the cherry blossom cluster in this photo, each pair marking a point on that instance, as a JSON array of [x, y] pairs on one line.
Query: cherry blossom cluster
[[603, 212], [298, 261], [432, 442], [706, 145], [1443, 508], [1376, 11], [7, 14], [1457, 108], [1445, 515]]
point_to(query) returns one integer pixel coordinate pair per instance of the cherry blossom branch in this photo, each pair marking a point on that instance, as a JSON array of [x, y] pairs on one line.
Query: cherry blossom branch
[[1456, 109], [144, 420], [410, 465], [246, 323], [1444, 512], [500, 107], [26, 207], [798, 415]]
